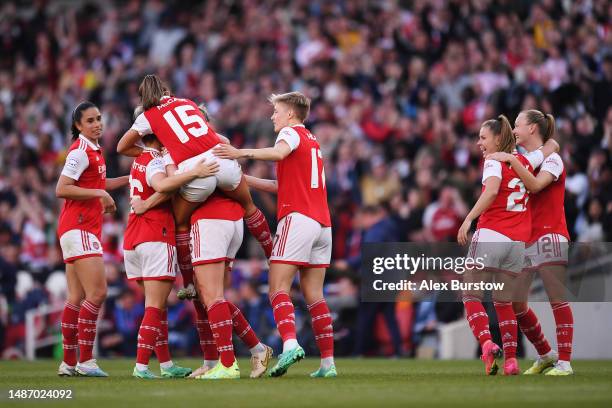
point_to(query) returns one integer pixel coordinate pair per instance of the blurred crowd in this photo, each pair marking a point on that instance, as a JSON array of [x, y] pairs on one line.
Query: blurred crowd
[[398, 89]]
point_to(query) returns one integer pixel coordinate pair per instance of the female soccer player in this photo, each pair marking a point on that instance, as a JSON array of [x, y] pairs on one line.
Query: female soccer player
[[216, 234], [503, 228], [184, 131], [303, 236], [548, 243], [150, 254], [83, 184]]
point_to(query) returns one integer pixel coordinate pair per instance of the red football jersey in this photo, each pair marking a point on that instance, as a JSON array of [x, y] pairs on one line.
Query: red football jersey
[[218, 207], [180, 126], [301, 177], [157, 224], [509, 213], [85, 164], [547, 209]]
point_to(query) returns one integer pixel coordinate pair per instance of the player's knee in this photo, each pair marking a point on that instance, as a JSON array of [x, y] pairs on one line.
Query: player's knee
[[519, 307], [96, 296]]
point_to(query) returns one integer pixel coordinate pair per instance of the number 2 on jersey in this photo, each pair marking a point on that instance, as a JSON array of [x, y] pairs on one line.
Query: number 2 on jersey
[[187, 119], [314, 169], [515, 199]]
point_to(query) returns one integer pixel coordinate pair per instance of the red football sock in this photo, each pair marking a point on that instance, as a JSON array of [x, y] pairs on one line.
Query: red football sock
[[220, 320], [507, 328], [87, 324], [564, 320], [284, 315], [242, 328], [162, 351], [322, 327], [208, 345], [530, 326], [70, 331], [259, 228], [183, 252], [477, 319], [147, 334]]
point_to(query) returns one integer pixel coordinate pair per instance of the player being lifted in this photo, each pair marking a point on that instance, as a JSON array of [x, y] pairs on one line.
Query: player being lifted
[[303, 237], [185, 133], [83, 184], [150, 253], [548, 243]]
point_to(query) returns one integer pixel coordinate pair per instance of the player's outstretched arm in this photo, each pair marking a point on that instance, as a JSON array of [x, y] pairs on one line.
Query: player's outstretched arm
[[269, 186], [66, 188], [117, 182], [484, 201], [164, 184], [276, 153], [127, 144]]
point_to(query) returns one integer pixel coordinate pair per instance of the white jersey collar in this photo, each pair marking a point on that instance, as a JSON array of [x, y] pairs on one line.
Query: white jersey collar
[[91, 144]]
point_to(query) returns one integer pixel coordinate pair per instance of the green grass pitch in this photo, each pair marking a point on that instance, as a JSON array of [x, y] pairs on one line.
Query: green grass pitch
[[361, 383]]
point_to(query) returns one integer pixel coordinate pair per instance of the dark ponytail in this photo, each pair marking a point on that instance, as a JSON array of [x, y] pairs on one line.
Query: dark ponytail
[[77, 114], [501, 128]]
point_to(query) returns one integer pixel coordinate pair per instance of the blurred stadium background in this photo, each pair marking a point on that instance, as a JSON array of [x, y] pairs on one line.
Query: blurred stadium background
[[399, 89]]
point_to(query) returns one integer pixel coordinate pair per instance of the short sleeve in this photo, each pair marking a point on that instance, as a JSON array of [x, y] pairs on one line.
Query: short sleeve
[[554, 165], [535, 158], [76, 163], [155, 166], [290, 136], [492, 168], [142, 125]]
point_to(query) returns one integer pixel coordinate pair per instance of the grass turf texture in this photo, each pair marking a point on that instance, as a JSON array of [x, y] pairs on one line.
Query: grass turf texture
[[361, 382]]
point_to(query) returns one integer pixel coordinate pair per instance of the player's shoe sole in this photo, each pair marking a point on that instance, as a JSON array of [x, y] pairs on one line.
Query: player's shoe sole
[[260, 362], [286, 360]]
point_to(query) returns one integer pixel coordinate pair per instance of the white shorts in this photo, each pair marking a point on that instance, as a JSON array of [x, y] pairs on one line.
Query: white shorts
[[549, 249], [198, 190], [77, 244], [151, 261], [215, 241], [300, 240], [497, 251]]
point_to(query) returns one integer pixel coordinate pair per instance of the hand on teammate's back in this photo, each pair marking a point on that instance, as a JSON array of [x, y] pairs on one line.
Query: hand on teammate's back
[[500, 157], [206, 169]]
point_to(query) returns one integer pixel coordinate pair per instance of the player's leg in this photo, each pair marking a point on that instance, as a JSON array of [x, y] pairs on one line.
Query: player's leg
[[478, 320], [69, 325], [530, 326], [91, 275], [311, 282], [210, 284], [553, 277], [156, 294], [508, 328], [182, 210], [208, 345], [255, 220]]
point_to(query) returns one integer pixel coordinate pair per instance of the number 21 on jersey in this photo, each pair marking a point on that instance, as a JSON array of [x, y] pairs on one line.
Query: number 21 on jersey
[[517, 200]]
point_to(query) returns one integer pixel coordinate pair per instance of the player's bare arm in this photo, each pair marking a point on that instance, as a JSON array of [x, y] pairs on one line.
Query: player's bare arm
[[141, 206], [127, 144], [66, 188], [484, 201], [276, 153], [269, 186], [117, 182]]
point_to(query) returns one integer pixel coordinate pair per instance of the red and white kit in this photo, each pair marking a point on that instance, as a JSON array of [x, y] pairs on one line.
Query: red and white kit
[[505, 227], [549, 241], [80, 222], [183, 130], [149, 241], [216, 230], [303, 236]]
